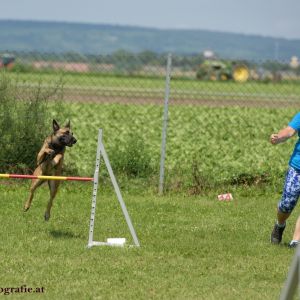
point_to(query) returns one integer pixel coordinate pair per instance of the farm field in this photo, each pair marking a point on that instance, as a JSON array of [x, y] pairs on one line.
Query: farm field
[[93, 87], [213, 145], [233, 140], [191, 247]]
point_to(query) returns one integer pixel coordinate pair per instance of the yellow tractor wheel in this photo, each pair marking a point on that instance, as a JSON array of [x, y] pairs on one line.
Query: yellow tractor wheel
[[224, 77], [240, 73]]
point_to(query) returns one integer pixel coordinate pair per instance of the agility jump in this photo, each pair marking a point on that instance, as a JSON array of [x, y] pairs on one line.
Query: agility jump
[[95, 180], [47, 177]]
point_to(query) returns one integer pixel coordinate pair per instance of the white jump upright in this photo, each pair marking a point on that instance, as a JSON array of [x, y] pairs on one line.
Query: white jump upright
[[91, 242]]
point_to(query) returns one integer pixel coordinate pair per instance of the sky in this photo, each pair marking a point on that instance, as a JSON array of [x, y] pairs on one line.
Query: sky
[[274, 18]]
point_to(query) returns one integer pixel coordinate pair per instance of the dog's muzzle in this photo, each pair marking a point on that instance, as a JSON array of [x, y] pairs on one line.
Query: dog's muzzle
[[72, 142], [68, 141]]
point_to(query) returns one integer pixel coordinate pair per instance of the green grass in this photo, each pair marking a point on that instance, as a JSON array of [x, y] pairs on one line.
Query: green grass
[[191, 247]]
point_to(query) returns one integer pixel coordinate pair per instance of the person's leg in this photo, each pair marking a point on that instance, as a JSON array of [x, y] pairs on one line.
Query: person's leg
[[282, 217], [296, 236], [287, 203], [279, 227]]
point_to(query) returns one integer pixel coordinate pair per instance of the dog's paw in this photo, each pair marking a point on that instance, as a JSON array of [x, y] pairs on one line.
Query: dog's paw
[[50, 151], [25, 208], [47, 216]]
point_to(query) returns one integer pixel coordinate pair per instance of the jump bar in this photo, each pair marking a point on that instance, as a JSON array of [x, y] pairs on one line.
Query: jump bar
[[47, 177]]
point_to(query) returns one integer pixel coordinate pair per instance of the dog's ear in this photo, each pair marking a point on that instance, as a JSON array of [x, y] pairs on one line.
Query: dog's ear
[[68, 125], [55, 126]]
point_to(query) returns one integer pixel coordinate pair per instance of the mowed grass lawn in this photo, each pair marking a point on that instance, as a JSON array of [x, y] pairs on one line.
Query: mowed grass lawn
[[192, 247]]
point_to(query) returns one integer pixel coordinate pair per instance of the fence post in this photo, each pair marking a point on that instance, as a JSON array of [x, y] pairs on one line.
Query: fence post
[[292, 281], [165, 125]]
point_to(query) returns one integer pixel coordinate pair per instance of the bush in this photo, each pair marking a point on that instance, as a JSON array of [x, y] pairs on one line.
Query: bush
[[24, 124], [134, 160]]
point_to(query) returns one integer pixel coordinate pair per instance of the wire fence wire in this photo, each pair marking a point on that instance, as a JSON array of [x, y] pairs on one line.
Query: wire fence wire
[[221, 113]]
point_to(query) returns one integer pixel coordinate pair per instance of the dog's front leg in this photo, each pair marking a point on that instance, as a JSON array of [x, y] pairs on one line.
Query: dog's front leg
[[44, 155], [57, 160]]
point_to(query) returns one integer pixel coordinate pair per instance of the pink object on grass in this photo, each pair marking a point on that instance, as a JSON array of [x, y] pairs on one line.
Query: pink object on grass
[[225, 197]]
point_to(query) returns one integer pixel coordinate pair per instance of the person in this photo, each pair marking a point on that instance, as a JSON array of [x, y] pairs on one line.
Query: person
[[291, 191], [296, 237]]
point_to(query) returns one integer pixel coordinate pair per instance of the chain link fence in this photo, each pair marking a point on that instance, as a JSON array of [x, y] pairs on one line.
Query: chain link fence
[[220, 115]]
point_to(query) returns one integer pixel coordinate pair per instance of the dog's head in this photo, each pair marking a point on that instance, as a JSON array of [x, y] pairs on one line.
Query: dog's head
[[63, 135]]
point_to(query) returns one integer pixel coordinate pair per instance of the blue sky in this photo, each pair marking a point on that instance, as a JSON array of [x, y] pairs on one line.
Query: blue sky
[[276, 18]]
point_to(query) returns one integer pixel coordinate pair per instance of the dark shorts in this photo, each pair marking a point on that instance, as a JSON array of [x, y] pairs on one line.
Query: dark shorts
[[291, 191]]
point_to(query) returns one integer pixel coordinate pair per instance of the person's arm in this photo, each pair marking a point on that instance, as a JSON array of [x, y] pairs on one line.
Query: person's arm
[[283, 135]]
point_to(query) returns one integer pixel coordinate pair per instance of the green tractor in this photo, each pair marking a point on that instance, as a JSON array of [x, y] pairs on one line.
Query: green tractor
[[219, 70]]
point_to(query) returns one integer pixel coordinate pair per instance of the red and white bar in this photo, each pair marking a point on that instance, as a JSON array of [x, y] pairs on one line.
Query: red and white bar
[[70, 178]]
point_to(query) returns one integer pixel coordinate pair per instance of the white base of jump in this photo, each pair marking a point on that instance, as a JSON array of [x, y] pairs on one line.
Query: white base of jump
[[114, 242]]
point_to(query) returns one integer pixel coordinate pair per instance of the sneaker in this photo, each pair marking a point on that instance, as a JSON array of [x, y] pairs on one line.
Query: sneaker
[[294, 244], [276, 235]]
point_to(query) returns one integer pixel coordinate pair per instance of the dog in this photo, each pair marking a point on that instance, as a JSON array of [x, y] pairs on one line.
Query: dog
[[50, 162]]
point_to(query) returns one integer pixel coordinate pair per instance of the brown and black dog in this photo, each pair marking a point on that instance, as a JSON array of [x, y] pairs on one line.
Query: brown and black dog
[[50, 162]]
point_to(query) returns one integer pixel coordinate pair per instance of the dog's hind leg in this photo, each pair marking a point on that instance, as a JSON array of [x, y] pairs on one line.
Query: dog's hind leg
[[53, 186], [34, 185]]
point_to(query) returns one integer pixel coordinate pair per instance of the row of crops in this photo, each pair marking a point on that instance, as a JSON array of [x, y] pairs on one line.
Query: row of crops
[[151, 89], [204, 145]]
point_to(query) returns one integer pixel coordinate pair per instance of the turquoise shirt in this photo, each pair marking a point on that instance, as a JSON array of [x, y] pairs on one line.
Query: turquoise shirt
[[295, 158]]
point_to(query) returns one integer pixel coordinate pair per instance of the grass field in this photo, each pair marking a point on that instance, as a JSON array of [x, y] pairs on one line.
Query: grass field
[[191, 247]]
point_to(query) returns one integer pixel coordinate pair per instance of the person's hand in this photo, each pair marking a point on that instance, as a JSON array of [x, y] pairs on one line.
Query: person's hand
[[274, 139]]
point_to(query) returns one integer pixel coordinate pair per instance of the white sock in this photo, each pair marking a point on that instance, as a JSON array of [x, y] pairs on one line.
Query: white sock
[[294, 242]]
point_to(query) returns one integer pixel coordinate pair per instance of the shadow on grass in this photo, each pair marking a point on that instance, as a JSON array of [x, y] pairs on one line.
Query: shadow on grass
[[59, 234]]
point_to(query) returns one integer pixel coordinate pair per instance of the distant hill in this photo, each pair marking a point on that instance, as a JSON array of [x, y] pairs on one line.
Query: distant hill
[[104, 39]]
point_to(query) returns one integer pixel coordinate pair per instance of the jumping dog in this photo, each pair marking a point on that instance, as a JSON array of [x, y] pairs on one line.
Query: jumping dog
[[50, 162]]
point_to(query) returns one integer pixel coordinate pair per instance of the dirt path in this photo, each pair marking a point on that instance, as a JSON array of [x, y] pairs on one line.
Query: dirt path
[[125, 97]]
